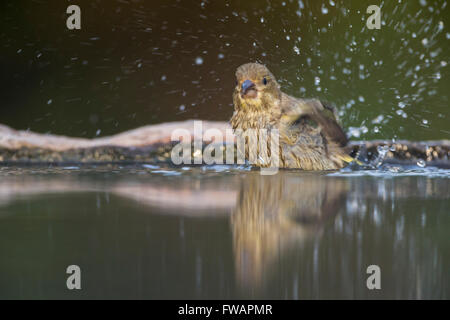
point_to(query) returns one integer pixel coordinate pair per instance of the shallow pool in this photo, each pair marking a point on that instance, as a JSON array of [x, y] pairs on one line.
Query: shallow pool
[[223, 232]]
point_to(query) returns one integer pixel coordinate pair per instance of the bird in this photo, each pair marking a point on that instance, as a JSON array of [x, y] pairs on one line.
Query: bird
[[310, 137]]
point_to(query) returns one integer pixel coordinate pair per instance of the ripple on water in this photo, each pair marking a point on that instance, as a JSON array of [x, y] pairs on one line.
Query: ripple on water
[[391, 171], [384, 170]]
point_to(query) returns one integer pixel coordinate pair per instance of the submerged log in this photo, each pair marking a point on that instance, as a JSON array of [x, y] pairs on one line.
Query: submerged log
[[153, 144], [149, 144]]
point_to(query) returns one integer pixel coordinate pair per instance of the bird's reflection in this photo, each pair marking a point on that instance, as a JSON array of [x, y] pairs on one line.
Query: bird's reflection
[[277, 213]]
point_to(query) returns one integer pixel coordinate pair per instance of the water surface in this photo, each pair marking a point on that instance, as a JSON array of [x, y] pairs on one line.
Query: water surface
[[223, 232]]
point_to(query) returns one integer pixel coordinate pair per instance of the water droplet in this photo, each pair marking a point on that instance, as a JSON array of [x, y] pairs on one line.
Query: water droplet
[[199, 61], [382, 149], [346, 71], [421, 163], [378, 119]]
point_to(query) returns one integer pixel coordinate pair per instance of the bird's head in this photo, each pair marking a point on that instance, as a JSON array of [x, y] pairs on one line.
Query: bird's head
[[256, 87]]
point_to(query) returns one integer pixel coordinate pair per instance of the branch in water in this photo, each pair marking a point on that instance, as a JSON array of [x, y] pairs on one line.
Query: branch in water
[[153, 144]]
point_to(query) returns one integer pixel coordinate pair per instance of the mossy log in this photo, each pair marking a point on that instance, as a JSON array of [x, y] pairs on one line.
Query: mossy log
[[152, 144]]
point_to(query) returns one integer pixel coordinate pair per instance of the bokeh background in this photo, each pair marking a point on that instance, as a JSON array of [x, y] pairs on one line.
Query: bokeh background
[[141, 62]]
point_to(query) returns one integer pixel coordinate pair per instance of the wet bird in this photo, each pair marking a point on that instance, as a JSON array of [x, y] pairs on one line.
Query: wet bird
[[310, 137]]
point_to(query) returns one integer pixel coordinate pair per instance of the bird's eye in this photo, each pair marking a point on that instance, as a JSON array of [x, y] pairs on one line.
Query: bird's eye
[[264, 81]]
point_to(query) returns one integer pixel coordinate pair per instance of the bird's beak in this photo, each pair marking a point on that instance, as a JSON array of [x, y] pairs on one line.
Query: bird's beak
[[247, 85]]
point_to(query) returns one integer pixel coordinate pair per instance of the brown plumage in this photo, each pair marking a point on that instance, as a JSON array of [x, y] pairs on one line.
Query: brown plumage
[[309, 136], [275, 214]]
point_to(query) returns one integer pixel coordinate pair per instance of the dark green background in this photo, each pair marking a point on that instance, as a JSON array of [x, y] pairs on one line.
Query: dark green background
[[107, 77]]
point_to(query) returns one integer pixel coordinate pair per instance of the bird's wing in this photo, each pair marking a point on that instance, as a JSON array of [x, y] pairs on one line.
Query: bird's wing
[[322, 114]]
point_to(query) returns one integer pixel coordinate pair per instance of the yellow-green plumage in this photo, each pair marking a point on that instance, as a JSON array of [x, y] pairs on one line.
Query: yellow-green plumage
[[310, 137]]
